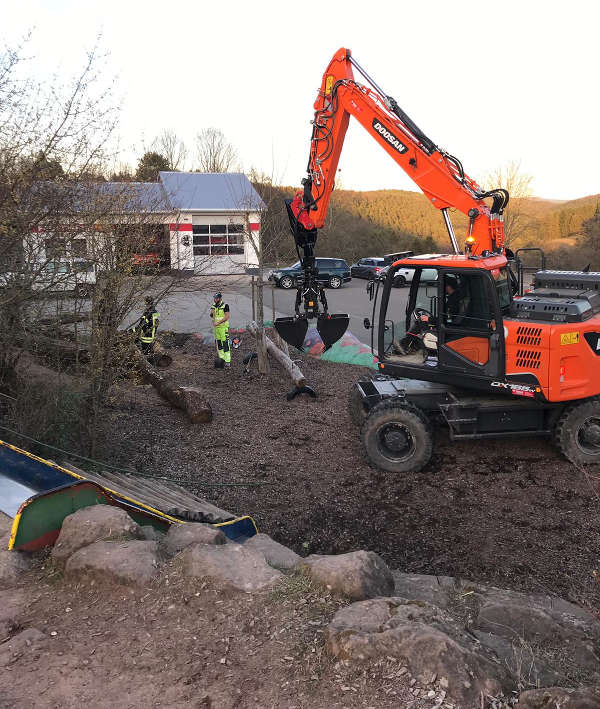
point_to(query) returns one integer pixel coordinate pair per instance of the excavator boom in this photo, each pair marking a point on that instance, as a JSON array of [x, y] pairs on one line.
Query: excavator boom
[[439, 175]]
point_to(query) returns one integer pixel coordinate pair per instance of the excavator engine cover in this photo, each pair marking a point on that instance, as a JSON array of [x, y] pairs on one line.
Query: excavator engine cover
[[332, 327], [292, 330]]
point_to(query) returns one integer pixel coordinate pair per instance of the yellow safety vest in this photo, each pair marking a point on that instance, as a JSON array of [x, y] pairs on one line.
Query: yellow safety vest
[[148, 327], [218, 312]]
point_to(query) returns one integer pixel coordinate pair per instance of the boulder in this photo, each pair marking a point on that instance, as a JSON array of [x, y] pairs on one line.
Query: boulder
[[357, 575], [527, 623], [276, 555], [93, 524], [181, 536], [438, 590], [231, 564], [25, 642], [552, 697], [150, 534], [12, 566], [424, 638], [131, 562]]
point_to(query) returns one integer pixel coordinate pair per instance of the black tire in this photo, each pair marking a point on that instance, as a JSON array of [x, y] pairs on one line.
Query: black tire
[[577, 433], [397, 437], [355, 407], [399, 282], [286, 282], [335, 282]]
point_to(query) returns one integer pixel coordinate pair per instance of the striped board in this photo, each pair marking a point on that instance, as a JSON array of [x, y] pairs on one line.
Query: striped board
[[39, 494]]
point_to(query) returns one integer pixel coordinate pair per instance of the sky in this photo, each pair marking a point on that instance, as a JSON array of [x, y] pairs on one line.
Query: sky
[[489, 82]]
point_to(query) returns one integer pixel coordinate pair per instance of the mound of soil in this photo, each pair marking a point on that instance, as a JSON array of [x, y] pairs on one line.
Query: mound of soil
[[512, 512]]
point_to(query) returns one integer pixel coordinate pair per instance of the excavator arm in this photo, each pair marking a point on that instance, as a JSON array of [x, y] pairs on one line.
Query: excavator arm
[[439, 175]]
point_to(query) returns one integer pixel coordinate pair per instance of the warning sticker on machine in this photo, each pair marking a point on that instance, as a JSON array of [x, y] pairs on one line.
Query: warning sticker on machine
[[569, 338]]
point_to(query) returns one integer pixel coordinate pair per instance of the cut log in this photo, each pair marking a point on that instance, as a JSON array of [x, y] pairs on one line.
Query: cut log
[[284, 360], [64, 349], [160, 357], [65, 319], [188, 399], [35, 374]]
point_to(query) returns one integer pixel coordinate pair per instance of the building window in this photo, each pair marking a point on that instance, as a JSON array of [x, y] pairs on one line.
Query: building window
[[218, 239]]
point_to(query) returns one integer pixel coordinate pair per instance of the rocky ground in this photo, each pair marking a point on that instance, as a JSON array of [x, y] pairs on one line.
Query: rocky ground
[[512, 512]]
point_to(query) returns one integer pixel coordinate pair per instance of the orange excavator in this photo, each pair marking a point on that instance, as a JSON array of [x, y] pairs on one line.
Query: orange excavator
[[469, 349]]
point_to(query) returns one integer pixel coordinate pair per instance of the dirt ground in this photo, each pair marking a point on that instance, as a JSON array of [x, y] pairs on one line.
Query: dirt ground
[[180, 645], [512, 512]]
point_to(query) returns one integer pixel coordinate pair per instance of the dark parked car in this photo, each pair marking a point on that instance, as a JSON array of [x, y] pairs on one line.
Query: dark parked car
[[333, 272], [367, 268]]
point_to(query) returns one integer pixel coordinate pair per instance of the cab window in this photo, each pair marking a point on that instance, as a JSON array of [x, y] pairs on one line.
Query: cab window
[[466, 303]]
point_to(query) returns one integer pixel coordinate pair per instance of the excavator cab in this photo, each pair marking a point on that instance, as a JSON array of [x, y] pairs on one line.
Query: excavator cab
[[448, 325]]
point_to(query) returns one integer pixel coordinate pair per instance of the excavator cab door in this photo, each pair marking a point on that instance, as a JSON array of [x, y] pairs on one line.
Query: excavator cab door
[[470, 330]]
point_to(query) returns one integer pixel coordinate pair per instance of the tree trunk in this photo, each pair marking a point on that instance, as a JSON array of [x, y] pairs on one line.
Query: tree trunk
[[160, 357], [188, 399], [294, 372], [63, 349]]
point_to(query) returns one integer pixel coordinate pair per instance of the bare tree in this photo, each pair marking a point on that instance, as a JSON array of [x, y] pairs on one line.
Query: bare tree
[[511, 177], [173, 148], [62, 227], [214, 152]]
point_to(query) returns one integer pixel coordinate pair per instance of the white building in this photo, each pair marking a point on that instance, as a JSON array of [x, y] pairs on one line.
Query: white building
[[214, 221], [202, 222]]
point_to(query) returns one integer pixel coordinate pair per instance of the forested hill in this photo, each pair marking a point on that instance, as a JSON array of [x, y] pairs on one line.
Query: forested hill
[[539, 220], [378, 222]]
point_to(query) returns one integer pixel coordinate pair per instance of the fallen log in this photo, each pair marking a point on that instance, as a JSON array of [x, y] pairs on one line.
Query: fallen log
[[284, 360], [160, 357], [66, 350], [36, 374], [188, 399], [65, 319]]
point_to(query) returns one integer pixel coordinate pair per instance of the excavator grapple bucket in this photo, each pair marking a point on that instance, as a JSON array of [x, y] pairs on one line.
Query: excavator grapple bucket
[[332, 327], [292, 330]]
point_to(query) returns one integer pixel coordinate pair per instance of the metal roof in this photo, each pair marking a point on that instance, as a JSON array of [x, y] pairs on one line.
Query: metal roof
[[208, 192]]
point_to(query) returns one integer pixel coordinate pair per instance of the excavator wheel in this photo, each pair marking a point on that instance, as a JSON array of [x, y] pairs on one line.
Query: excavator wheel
[[355, 407], [397, 437], [577, 433]]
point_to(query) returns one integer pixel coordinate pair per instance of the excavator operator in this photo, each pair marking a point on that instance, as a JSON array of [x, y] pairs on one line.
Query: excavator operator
[[455, 306]]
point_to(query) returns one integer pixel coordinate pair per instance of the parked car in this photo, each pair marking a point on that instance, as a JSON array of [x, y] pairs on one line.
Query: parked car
[[333, 272], [367, 267], [404, 276]]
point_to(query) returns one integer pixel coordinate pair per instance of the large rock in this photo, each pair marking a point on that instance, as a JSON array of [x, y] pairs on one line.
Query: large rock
[[439, 590], [423, 637], [131, 562], [276, 555], [357, 575], [93, 524], [181, 536], [527, 623], [552, 697], [12, 566], [538, 638], [231, 564]]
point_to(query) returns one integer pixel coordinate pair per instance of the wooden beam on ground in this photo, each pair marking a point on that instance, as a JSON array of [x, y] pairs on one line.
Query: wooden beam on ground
[[284, 360], [188, 399]]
